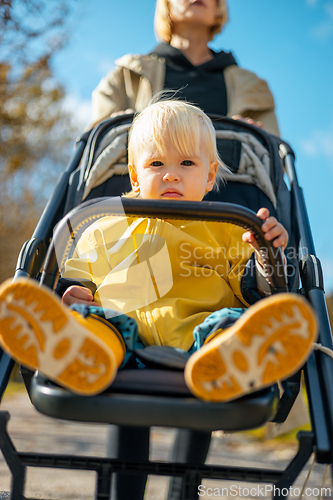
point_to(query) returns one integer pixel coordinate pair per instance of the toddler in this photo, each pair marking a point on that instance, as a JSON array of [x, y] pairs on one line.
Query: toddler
[[163, 282]]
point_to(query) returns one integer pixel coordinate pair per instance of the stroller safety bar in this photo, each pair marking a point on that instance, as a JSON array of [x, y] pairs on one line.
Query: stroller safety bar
[[67, 229]]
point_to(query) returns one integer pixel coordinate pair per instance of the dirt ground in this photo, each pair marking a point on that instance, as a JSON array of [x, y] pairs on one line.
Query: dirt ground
[[31, 431]]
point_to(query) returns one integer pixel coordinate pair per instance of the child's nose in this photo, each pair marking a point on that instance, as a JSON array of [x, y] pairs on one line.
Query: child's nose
[[171, 175]]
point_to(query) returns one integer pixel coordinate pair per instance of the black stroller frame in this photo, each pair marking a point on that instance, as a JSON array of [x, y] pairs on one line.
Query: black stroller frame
[[162, 399]]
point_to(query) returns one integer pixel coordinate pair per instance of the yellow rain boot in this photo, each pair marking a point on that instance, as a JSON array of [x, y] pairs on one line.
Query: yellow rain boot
[[269, 342], [38, 331]]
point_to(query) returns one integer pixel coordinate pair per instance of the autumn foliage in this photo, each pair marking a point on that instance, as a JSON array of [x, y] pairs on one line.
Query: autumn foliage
[[36, 131]]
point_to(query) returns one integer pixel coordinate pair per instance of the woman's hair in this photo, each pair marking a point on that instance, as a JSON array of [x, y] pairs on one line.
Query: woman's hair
[[186, 125], [163, 23]]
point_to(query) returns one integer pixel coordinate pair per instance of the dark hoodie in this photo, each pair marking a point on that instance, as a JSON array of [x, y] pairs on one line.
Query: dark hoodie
[[201, 85]]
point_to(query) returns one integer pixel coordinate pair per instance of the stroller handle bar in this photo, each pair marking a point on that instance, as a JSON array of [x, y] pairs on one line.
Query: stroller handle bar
[[72, 225]]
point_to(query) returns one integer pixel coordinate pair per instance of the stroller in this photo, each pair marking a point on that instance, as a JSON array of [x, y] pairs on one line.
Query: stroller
[[157, 395]]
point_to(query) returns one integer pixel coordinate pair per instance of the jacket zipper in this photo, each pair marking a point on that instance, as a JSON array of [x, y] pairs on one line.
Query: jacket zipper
[[153, 330]]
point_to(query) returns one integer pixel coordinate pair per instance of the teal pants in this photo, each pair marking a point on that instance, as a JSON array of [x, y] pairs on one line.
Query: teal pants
[[129, 330]]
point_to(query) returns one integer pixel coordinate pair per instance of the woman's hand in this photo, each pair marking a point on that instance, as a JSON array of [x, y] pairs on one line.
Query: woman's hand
[[128, 111], [248, 120], [78, 295]]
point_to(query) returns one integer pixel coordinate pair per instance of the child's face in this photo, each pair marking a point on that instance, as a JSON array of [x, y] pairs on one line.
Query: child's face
[[172, 176]]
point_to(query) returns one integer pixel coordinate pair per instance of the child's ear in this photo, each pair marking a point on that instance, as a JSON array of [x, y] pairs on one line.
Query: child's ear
[[133, 178], [211, 175]]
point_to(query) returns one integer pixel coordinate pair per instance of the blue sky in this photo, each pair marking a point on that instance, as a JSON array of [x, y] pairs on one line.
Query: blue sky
[[287, 42]]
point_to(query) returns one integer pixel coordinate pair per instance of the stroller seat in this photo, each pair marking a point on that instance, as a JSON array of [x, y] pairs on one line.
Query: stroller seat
[[129, 402]]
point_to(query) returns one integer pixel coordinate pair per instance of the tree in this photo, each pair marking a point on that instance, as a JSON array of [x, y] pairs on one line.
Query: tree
[[329, 303], [36, 131]]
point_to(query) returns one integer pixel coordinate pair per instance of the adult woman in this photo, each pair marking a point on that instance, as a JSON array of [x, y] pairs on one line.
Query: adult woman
[[184, 61]]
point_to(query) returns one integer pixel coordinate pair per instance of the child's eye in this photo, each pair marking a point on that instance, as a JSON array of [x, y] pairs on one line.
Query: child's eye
[[187, 163], [156, 163]]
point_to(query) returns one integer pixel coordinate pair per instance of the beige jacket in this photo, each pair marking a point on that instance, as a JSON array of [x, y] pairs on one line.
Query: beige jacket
[[137, 78]]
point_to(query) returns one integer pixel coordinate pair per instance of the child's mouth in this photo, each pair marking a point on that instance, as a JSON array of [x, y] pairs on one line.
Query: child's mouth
[[173, 193]]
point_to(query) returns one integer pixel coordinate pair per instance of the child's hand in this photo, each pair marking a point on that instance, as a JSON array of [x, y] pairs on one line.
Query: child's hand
[[78, 295], [273, 231]]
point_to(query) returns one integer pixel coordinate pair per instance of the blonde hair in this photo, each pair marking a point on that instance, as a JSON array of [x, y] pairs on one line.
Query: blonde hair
[[163, 23], [186, 125]]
